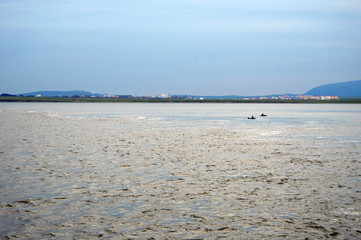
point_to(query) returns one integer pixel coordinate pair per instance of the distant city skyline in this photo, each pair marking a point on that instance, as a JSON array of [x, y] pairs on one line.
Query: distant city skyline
[[323, 92], [200, 47]]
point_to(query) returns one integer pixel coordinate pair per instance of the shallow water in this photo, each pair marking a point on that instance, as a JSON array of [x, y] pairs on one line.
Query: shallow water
[[180, 171]]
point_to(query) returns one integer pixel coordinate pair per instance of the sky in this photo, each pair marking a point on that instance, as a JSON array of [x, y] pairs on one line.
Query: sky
[[195, 47]]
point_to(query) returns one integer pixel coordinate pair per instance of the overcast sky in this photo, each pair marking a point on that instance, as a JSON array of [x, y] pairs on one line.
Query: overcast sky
[[204, 47]]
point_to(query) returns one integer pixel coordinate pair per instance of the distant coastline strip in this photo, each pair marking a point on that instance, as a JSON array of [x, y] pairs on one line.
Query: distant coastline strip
[[171, 100]]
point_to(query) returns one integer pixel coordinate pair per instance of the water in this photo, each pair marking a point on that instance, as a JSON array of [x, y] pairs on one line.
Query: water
[[324, 120], [234, 113], [179, 171]]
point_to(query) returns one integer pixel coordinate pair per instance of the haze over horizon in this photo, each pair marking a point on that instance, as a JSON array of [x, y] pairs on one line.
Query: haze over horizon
[[203, 47]]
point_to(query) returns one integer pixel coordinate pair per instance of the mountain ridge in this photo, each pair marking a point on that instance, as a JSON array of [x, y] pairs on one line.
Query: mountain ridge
[[341, 89], [349, 89], [58, 93]]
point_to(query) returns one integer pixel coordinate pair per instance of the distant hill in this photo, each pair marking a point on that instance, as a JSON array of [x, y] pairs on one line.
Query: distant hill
[[8, 95], [58, 93], [343, 89], [350, 89]]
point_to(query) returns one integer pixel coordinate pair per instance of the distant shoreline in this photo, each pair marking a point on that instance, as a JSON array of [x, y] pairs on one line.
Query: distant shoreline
[[159, 100]]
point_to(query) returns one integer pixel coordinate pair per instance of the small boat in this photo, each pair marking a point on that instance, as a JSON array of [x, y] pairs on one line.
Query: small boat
[[263, 115], [252, 117]]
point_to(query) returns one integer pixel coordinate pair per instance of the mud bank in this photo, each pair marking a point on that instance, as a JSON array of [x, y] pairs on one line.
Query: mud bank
[[64, 178]]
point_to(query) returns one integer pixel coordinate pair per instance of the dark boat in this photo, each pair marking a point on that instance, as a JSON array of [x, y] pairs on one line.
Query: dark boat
[[263, 115], [252, 117]]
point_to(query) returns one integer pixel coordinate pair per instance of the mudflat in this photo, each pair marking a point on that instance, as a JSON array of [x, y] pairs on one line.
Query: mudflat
[[82, 178]]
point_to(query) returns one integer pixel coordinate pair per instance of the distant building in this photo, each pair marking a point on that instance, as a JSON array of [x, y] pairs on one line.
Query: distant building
[[124, 96], [329, 97], [163, 96], [291, 97], [311, 97]]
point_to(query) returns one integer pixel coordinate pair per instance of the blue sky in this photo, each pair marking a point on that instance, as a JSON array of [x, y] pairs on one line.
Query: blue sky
[[204, 47]]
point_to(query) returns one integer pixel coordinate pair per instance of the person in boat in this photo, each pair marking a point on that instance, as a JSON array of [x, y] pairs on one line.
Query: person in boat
[[263, 115], [252, 117]]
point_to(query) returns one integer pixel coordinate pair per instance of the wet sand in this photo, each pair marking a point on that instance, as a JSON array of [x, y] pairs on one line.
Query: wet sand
[[65, 178]]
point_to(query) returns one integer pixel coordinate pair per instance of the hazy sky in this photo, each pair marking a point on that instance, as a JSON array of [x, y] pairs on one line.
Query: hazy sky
[[205, 47]]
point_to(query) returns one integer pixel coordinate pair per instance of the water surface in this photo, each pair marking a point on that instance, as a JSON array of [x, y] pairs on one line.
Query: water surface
[[179, 171]]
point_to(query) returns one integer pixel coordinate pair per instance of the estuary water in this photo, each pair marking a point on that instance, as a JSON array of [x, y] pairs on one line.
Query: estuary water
[[341, 122], [180, 171], [194, 113]]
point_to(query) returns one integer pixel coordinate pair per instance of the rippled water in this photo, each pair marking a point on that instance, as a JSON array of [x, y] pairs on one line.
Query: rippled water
[[179, 171], [279, 116], [233, 114]]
